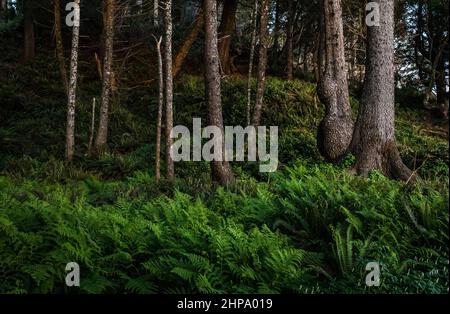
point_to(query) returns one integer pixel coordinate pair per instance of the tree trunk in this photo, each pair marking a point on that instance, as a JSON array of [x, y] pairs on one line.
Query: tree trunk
[[374, 141], [59, 44], [220, 169], [262, 63], [188, 42], [70, 128], [160, 109], [226, 29], [335, 130], [156, 13], [276, 36], [250, 64], [102, 134], [170, 172], [29, 35], [3, 11], [289, 41]]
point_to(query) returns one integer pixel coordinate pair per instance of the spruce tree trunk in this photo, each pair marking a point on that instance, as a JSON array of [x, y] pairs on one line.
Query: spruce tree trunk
[[220, 170], [226, 29], [262, 63], [70, 127], [374, 141], [29, 35], [335, 130], [170, 172], [102, 134], [59, 44]]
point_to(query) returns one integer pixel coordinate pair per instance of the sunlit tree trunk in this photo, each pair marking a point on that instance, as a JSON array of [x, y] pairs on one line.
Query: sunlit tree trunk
[[160, 109]]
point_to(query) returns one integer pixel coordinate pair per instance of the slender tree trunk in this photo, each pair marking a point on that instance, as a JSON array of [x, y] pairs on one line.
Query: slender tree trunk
[[59, 45], [226, 29], [168, 86], [276, 36], [102, 134], [29, 35], [188, 42], [160, 110], [262, 63], [289, 41], [70, 128], [250, 64], [374, 141], [335, 130], [221, 170]]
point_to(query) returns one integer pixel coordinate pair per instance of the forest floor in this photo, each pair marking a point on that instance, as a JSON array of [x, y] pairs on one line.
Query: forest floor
[[311, 227]]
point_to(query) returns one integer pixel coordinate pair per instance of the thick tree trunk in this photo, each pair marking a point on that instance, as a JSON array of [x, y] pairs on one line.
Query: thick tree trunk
[[250, 63], [160, 110], [102, 134], [59, 45], [226, 30], [262, 63], [220, 169], [188, 42], [170, 172], [70, 128], [335, 130], [374, 141], [289, 41], [29, 35]]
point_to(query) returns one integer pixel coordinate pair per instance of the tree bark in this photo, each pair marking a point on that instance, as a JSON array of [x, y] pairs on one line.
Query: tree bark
[[170, 172], [160, 109], [374, 141], [289, 41], [102, 134], [70, 128], [156, 13], [59, 44], [335, 130], [276, 36], [250, 64], [29, 35], [226, 29], [262, 63], [220, 169], [188, 42]]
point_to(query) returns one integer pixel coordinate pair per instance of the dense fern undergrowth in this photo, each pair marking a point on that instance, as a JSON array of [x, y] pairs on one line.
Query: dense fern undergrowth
[[310, 227]]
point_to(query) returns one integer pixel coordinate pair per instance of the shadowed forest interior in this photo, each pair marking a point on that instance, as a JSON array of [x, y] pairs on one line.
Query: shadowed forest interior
[[90, 92]]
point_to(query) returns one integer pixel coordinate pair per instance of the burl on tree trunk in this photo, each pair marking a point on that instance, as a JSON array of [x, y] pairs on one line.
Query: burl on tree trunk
[[374, 141], [335, 130]]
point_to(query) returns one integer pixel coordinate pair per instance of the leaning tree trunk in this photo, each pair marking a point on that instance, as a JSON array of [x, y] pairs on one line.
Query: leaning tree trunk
[[226, 29], [59, 44], [188, 42], [335, 130], [262, 63], [221, 170], [29, 35], [170, 172], [374, 141], [289, 41], [102, 134], [70, 128]]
